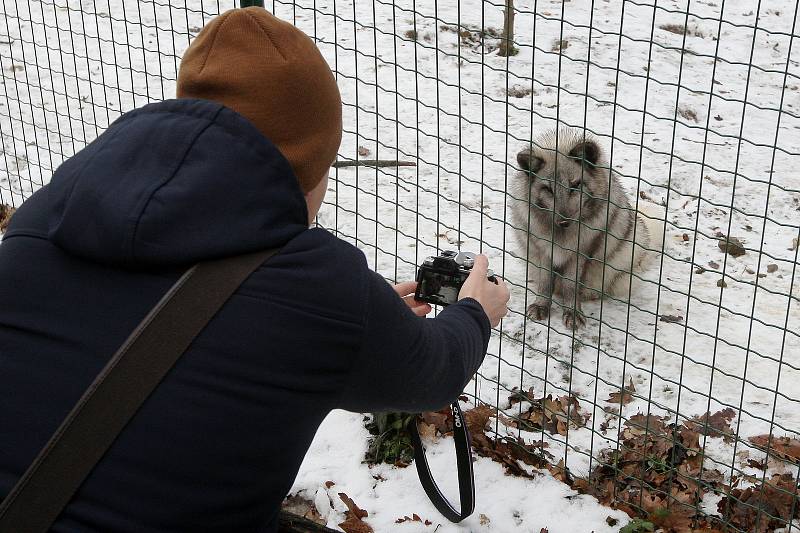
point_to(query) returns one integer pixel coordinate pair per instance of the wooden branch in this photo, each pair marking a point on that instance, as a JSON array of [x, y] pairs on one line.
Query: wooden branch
[[378, 163], [507, 39]]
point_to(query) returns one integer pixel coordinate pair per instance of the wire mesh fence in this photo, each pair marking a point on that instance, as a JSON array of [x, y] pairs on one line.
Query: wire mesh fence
[[675, 397]]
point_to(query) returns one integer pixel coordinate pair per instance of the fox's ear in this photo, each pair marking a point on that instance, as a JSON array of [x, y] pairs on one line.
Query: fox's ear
[[529, 162], [587, 152]]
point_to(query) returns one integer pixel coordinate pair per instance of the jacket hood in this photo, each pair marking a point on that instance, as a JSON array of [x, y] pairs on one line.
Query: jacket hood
[[175, 182]]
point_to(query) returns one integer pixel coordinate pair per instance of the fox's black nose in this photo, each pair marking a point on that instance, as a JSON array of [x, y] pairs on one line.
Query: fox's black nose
[[564, 223]]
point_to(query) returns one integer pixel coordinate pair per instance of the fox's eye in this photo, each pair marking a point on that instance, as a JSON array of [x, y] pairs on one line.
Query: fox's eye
[[547, 189], [575, 185]]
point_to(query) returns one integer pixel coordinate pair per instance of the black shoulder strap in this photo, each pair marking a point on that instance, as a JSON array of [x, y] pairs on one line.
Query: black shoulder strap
[[119, 390]]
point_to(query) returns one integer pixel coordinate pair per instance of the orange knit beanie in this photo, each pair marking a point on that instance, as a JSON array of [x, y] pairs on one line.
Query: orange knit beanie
[[273, 74]]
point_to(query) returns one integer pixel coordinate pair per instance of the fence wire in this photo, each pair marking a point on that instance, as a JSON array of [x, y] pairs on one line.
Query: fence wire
[[678, 399]]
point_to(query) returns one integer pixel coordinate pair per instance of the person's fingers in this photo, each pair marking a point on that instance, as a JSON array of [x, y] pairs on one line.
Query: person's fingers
[[419, 308], [481, 265], [405, 288], [506, 292]]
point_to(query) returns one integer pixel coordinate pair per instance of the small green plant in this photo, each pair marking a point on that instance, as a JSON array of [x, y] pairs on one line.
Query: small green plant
[[658, 465], [637, 525], [390, 443]]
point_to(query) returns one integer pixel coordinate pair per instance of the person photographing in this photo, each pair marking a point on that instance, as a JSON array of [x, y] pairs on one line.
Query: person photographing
[[237, 163]]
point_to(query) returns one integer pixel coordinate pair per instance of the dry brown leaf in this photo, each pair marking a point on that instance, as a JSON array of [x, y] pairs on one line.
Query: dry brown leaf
[[784, 447], [518, 396], [763, 507], [426, 431], [441, 420], [507, 451], [6, 212], [355, 525], [716, 425], [555, 416], [561, 472], [353, 516], [413, 518], [352, 507], [477, 417], [645, 424], [625, 397]]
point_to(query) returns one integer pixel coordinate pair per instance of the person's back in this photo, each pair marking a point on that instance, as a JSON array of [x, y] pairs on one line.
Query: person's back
[[217, 445]]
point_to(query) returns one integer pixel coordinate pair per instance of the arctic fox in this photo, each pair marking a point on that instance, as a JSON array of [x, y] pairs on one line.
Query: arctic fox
[[573, 217]]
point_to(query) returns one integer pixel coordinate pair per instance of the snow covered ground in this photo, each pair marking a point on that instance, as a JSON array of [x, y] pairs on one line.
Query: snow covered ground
[[417, 88]]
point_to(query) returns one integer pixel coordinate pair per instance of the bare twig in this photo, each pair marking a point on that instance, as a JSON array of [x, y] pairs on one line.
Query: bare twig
[[702, 142], [378, 163]]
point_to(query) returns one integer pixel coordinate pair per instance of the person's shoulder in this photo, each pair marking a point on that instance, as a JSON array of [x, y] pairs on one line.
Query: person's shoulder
[[318, 270], [339, 249]]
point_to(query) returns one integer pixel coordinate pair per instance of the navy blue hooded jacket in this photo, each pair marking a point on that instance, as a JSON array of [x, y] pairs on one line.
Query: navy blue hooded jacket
[[218, 444]]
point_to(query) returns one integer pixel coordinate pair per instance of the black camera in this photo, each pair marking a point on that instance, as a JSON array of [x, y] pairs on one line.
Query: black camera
[[439, 279]]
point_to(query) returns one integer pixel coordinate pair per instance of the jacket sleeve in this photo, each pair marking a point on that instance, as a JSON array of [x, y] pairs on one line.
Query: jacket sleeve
[[408, 363]]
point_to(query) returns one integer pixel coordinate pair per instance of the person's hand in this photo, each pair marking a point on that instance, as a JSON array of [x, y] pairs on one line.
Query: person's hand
[[406, 291], [493, 297]]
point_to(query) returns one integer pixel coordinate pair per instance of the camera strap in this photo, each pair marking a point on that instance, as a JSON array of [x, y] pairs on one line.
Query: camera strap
[[466, 479], [120, 389]]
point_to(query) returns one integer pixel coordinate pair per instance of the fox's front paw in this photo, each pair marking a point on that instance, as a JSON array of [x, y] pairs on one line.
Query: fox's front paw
[[539, 310], [574, 319]]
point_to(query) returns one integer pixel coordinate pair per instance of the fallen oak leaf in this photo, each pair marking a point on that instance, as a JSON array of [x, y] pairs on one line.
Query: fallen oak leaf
[[355, 525], [784, 447], [518, 396], [477, 418], [426, 431], [353, 517], [716, 425], [625, 397], [762, 508], [561, 472], [352, 507], [414, 518], [442, 420]]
